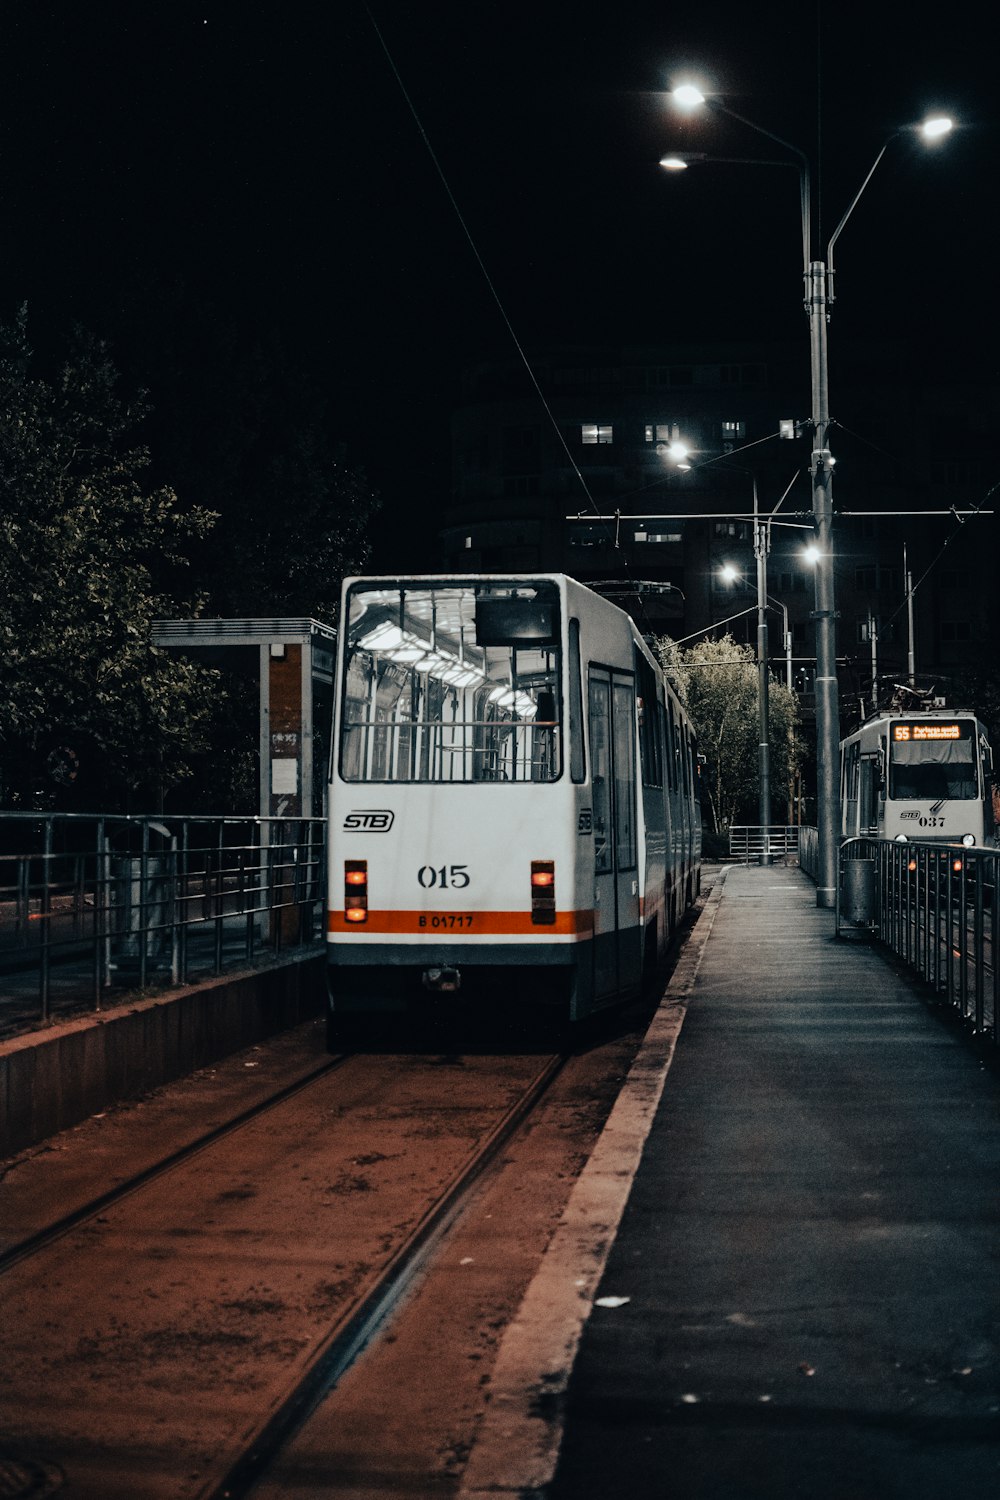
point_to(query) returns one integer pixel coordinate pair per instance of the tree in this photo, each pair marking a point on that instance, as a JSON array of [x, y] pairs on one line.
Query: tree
[[716, 680], [88, 558]]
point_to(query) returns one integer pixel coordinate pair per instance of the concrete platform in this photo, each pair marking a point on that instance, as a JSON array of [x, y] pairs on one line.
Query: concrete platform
[[54, 1077], [795, 1293]]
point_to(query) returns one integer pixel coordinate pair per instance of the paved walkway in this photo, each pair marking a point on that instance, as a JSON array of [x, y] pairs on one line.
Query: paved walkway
[[810, 1247], [777, 1276]]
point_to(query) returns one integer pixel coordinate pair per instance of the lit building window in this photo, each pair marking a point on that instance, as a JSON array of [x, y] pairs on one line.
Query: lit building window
[[733, 430], [658, 432], [594, 432]]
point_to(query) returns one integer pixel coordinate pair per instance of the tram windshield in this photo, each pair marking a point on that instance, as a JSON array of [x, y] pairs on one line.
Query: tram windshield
[[451, 682], [933, 761]]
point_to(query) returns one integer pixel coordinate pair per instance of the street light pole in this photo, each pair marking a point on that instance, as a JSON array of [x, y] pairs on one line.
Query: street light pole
[[760, 540], [825, 615], [818, 296]]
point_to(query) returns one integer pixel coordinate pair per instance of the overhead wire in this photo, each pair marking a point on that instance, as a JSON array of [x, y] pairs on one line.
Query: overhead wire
[[960, 522], [494, 292], [475, 250]]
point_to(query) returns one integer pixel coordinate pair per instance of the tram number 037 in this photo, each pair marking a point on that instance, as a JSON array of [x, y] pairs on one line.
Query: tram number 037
[[455, 877]]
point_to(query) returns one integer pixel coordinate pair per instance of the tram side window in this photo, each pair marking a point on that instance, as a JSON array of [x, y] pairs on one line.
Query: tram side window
[[624, 732], [649, 742], [600, 764], [577, 760], [671, 748], [868, 784]]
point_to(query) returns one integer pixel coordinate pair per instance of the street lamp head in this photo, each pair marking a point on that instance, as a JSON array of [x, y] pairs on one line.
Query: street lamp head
[[688, 96], [674, 163], [812, 554], [729, 573], [677, 451], [937, 126]]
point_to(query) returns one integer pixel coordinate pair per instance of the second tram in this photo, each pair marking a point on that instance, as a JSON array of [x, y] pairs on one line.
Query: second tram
[[513, 803], [924, 775]]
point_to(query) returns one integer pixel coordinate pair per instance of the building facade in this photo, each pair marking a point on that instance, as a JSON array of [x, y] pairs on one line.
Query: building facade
[[641, 469]]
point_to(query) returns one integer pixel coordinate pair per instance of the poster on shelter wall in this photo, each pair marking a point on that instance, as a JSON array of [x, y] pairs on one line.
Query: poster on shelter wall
[[285, 776]]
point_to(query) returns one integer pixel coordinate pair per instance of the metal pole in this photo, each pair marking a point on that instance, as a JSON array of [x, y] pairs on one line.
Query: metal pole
[[911, 667], [827, 706], [873, 638], [763, 705]]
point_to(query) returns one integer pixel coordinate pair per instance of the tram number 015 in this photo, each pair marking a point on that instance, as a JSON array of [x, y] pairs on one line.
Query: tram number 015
[[443, 877]]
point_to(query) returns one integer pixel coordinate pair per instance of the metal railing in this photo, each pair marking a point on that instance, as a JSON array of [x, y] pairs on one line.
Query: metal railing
[[751, 843], [809, 850], [94, 905], [936, 907]]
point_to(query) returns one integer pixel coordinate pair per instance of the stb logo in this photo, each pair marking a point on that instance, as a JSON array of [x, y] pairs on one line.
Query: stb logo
[[368, 820]]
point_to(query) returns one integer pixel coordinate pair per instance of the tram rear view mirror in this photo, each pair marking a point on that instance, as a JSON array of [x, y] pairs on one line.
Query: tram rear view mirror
[[516, 622]]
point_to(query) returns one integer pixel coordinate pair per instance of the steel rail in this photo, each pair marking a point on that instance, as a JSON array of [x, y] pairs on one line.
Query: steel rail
[[358, 1323], [42, 1238]]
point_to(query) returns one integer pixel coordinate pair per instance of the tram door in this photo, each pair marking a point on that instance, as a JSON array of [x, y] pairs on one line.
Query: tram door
[[617, 933]]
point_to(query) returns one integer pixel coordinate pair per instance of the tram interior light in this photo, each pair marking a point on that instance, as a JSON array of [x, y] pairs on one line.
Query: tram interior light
[[515, 699], [402, 646]]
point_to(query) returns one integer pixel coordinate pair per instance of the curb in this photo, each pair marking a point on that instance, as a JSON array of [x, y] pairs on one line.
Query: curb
[[516, 1448]]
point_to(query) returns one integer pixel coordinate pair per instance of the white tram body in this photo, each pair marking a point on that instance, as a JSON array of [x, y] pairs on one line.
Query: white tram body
[[513, 801], [923, 776]]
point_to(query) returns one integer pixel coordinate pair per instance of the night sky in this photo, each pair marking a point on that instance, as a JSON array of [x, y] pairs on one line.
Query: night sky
[[266, 157]]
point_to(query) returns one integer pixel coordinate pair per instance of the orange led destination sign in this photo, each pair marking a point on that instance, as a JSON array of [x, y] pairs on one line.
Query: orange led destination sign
[[926, 732]]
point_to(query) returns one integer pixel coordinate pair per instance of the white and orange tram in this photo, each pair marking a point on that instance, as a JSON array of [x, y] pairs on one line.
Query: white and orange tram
[[924, 775], [513, 802]]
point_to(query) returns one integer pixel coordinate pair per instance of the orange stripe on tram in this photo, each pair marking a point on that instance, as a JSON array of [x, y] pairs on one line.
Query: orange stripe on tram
[[467, 924]]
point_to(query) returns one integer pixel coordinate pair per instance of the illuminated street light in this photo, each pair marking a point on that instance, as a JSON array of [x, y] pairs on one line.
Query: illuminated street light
[[688, 96], [819, 297]]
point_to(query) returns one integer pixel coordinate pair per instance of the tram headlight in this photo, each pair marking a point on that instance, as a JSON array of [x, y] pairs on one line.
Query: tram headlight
[[968, 839], [900, 838]]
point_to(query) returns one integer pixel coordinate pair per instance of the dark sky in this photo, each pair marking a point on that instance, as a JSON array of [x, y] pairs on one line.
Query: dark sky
[[267, 155]]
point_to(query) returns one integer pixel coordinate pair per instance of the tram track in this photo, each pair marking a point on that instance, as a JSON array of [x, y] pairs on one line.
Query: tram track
[[50, 1233], [169, 1336], [357, 1325]]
